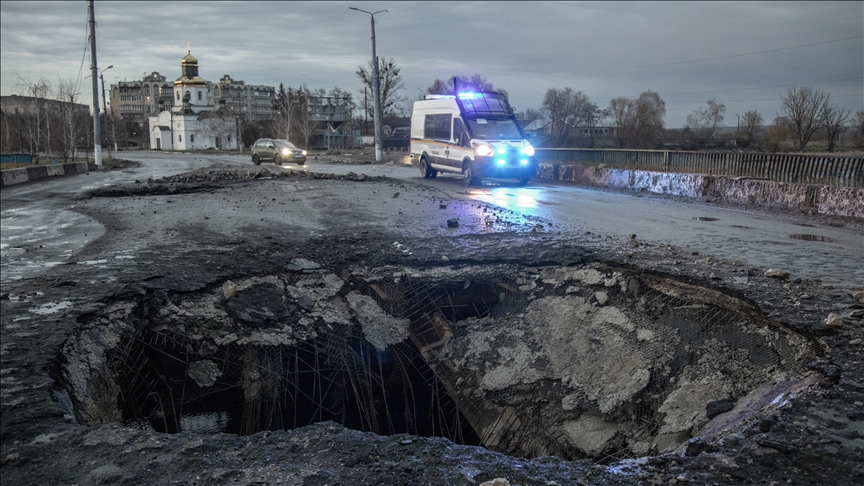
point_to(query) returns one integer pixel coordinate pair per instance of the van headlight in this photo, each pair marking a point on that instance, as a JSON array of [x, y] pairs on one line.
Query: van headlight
[[286, 152], [304, 152], [483, 150], [527, 150]]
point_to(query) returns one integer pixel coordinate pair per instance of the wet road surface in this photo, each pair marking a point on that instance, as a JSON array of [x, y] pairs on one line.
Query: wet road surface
[[807, 246]]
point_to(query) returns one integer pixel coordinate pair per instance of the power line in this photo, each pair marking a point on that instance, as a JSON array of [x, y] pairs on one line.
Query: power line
[[748, 101], [751, 53], [83, 54], [762, 87]]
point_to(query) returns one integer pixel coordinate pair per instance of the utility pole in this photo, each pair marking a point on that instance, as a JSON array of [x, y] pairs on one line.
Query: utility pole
[[376, 88], [104, 103], [97, 135]]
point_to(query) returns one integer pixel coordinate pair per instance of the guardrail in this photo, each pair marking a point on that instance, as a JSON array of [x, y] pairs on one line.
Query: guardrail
[[831, 170]]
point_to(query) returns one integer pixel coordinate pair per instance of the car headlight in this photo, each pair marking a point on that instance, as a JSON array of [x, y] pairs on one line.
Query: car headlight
[[528, 150], [304, 152], [483, 150], [286, 152]]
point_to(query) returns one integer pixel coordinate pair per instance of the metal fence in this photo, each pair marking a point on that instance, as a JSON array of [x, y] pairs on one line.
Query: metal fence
[[829, 170], [13, 160]]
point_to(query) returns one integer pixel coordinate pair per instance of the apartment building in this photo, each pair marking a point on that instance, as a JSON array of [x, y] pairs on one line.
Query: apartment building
[[135, 101], [252, 100]]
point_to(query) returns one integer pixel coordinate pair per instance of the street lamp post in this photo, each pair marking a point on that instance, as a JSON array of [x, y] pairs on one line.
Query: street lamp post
[[376, 88], [104, 104]]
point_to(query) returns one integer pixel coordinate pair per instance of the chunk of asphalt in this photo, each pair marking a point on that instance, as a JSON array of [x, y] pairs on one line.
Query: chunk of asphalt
[[715, 408]]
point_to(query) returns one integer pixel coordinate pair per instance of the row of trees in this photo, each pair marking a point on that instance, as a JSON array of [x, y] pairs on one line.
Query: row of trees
[[568, 115], [53, 122]]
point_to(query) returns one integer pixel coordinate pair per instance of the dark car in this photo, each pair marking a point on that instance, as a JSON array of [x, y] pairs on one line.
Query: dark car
[[278, 151]]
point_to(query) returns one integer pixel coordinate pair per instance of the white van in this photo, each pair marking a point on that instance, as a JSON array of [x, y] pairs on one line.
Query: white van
[[474, 134]]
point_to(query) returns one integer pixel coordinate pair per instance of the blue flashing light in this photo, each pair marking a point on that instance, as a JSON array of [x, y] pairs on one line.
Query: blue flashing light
[[501, 161], [467, 96], [523, 162], [501, 150]]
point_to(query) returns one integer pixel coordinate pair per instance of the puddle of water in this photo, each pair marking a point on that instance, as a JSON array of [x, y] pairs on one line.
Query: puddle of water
[[124, 257], [706, 218], [93, 262], [52, 264], [52, 308], [807, 237], [805, 225]]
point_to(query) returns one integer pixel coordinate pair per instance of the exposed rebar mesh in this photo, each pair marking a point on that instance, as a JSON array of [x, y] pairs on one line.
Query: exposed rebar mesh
[[572, 362], [338, 376]]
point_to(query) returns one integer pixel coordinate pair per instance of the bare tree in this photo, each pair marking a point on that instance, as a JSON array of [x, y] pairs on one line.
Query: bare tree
[[620, 113], [748, 131], [283, 109], [648, 126], [776, 134], [567, 112], [702, 123], [475, 82], [390, 81], [306, 126], [832, 121], [858, 127], [802, 112], [529, 116], [71, 118], [639, 122], [35, 118]]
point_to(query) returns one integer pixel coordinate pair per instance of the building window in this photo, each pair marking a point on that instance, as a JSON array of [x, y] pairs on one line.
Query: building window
[[178, 96], [179, 138], [199, 96], [229, 138], [192, 137]]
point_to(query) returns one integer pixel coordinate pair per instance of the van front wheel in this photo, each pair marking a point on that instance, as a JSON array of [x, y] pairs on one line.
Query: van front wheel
[[470, 176]]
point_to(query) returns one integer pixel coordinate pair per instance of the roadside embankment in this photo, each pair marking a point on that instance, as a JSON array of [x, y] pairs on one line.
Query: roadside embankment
[[828, 200], [39, 172]]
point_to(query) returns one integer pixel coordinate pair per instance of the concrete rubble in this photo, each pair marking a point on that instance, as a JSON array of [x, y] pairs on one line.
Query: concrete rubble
[[569, 362]]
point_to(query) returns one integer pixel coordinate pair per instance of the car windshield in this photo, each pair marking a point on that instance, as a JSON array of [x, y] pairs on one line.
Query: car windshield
[[494, 129], [284, 144]]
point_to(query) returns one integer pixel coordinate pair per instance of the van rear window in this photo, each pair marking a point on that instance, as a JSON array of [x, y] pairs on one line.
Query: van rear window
[[437, 127]]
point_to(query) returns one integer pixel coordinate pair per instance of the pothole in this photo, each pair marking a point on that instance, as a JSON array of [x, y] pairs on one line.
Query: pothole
[[806, 237], [584, 361]]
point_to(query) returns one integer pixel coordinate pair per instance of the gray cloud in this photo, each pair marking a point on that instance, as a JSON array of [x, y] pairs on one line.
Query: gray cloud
[[523, 47]]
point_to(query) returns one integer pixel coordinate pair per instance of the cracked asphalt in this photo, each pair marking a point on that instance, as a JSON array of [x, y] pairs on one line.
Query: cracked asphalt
[[76, 252]]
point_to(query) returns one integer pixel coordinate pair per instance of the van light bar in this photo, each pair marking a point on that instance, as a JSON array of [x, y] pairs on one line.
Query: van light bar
[[501, 150], [467, 96], [523, 162], [501, 161]]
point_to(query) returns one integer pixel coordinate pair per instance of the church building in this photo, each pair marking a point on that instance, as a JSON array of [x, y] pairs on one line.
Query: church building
[[193, 123]]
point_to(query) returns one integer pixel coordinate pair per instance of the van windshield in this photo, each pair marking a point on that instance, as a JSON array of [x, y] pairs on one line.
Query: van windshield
[[494, 129]]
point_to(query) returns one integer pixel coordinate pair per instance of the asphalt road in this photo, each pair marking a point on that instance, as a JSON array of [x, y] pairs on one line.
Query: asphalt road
[[808, 246]]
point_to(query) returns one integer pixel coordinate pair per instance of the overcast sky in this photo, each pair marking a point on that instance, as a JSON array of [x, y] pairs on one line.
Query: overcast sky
[[744, 54]]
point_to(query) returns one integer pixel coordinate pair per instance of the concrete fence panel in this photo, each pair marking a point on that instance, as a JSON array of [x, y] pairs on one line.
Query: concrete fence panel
[[841, 201], [14, 176], [55, 170], [37, 172], [75, 167]]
